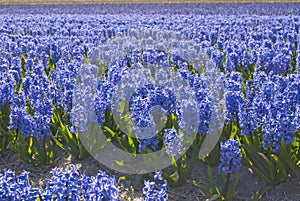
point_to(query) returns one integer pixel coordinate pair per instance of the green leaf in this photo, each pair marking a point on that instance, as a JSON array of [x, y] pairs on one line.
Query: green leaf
[[112, 134], [4, 144], [287, 162], [128, 168], [122, 107], [39, 152], [282, 174], [271, 166], [258, 195], [58, 143], [131, 144], [74, 150], [293, 167], [212, 180], [202, 187], [213, 197], [120, 163], [257, 163], [183, 162], [64, 135]]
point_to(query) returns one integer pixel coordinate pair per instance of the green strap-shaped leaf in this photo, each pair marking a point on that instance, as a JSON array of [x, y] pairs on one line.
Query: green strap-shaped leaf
[[212, 181], [258, 195], [202, 187], [271, 166], [213, 197]]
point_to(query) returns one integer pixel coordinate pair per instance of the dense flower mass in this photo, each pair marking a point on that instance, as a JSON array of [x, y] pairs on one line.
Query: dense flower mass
[[99, 187], [157, 189], [272, 102], [156, 68], [234, 96], [14, 187], [63, 185], [46, 68], [148, 97]]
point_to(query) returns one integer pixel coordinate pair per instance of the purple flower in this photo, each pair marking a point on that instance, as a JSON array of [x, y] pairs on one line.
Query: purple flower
[[156, 190], [15, 188], [64, 185], [230, 160], [204, 103], [100, 187], [103, 99], [151, 142], [234, 96], [173, 142]]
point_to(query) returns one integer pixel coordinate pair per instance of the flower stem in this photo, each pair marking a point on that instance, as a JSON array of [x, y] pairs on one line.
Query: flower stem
[[225, 190]]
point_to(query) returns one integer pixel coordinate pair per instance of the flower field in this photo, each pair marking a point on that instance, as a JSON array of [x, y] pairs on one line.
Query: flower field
[[151, 92]]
